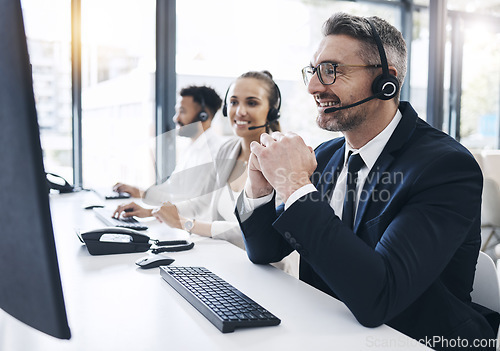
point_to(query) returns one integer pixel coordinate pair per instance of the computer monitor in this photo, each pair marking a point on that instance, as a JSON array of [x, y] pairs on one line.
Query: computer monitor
[[30, 285]]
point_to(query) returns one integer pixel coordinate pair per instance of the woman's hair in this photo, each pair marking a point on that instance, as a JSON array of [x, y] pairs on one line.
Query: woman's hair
[[274, 95]]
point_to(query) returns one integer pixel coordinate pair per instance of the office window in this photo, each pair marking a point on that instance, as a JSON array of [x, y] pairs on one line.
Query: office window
[[48, 31], [118, 68], [275, 35], [480, 85], [487, 7], [419, 67]]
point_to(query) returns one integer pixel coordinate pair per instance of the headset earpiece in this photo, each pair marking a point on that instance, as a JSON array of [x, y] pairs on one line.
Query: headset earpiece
[[202, 115], [385, 85], [389, 86], [274, 113]]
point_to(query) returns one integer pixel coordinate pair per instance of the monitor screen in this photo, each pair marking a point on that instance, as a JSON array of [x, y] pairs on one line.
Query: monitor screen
[[30, 285]]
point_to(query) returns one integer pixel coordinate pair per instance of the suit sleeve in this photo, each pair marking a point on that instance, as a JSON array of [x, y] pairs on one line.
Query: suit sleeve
[[262, 242]]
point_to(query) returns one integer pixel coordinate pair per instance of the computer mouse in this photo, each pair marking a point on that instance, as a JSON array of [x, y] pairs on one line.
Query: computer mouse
[[154, 261]]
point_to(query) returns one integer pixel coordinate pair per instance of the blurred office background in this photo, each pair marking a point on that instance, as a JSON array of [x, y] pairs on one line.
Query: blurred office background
[[106, 72]]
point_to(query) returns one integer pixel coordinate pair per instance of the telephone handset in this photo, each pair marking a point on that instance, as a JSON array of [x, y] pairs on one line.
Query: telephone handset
[[116, 240], [57, 182]]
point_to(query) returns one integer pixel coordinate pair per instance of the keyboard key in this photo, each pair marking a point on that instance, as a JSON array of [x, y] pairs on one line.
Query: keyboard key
[[105, 214]]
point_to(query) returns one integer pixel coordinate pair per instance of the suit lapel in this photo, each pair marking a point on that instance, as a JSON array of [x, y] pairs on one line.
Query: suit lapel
[[399, 138], [371, 182]]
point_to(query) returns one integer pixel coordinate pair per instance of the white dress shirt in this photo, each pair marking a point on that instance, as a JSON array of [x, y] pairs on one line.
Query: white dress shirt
[[186, 180]]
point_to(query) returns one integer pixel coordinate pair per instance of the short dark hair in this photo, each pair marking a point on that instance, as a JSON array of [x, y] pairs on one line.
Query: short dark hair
[[202, 93], [358, 28]]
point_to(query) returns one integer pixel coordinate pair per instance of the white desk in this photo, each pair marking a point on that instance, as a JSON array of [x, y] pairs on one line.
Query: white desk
[[112, 305]]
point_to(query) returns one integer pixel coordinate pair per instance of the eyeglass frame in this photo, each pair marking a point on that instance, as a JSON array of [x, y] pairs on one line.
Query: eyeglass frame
[[334, 65]]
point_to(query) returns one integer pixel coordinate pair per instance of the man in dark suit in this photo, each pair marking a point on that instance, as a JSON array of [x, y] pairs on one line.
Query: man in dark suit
[[394, 234]]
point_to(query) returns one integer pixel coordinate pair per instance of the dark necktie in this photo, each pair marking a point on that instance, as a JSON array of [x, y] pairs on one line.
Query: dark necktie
[[354, 164]]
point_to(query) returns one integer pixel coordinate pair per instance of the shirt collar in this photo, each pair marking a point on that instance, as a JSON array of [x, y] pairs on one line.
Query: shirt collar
[[372, 150]]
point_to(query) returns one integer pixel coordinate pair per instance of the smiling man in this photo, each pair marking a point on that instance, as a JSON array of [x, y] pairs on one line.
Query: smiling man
[[386, 218]]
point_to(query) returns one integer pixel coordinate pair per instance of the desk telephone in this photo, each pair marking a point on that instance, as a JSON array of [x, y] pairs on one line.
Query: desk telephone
[[57, 182], [115, 240]]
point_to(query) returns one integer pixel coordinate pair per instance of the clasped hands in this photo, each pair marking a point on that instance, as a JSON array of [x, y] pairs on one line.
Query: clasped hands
[[282, 161]]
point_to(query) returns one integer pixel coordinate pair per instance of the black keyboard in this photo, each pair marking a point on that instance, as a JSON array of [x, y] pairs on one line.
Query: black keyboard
[[105, 214], [220, 302]]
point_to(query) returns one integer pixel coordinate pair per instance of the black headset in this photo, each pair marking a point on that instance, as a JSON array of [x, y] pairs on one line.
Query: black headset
[[203, 115], [272, 115], [386, 85]]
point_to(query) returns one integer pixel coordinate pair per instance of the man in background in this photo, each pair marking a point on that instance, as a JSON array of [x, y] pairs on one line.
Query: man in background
[[195, 110]]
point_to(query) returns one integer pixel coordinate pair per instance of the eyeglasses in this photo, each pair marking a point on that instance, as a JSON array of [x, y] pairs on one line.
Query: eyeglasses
[[327, 72]]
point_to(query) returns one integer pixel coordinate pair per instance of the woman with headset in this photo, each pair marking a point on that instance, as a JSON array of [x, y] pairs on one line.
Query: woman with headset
[[252, 104]]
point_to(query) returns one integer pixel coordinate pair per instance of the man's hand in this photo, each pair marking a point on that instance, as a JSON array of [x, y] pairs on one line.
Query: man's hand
[[131, 209], [285, 161], [125, 188], [256, 185]]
